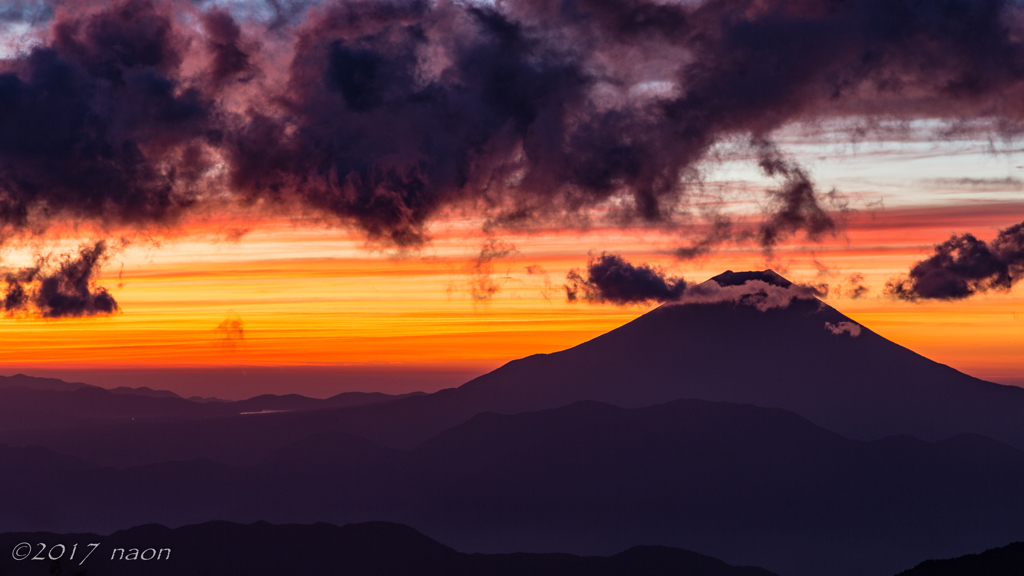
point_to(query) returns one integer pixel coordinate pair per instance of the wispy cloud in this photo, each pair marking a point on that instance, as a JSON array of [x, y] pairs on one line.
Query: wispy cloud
[[61, 287], [232, 330]]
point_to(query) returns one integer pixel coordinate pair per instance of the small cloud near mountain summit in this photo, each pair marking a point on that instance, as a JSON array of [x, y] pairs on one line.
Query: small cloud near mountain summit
[[611, 278], [840, 328], [763, 294]]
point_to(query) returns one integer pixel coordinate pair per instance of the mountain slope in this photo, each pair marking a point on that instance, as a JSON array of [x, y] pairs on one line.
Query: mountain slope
[[802, 357], [1004, 561], [862, 386], [753, 486], [46, 404], [35, 383]]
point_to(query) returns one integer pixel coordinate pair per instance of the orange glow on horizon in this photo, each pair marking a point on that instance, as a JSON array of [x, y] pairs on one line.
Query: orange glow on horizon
[[310, 297]]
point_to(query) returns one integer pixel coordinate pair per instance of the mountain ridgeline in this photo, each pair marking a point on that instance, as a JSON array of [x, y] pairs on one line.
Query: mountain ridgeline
[[750, 421], [752, 486], [1003, 561], [853, 382]]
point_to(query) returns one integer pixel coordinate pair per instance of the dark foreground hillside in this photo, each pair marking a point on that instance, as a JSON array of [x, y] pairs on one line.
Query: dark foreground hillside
[[752, 486], [367, 549], [1005, 561], [764, 429]]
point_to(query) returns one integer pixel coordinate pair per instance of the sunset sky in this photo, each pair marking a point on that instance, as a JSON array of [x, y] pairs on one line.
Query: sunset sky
[[320, 299]]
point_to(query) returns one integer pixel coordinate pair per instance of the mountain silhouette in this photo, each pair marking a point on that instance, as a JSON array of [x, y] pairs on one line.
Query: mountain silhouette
[[28, 403], [803, 357], [36, 383], [1004, 561], [749, 485], [749, 421]]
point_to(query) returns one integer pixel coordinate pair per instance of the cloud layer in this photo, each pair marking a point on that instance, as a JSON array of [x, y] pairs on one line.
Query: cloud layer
[[386, 114]]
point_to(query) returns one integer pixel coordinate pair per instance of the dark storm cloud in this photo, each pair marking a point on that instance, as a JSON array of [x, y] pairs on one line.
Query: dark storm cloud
[[385, 115], [97, 126], [963, 266], [610, 278], [398, 110], [225, 42], [379, 146], [62, 290]]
